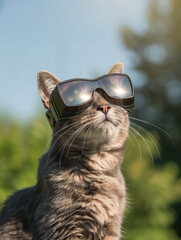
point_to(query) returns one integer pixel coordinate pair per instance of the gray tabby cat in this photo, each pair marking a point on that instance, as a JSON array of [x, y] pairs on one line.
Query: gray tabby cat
[[80, 191]]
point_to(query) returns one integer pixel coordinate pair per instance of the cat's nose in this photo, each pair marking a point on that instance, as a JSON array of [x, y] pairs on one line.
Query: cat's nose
[[104, 108]]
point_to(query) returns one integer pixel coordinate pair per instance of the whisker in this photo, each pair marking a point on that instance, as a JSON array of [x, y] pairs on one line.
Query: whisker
[[130, 139], [74, 135], [59, 132], [88, 132], [144, 141], [140, 151], [153, 125], [76, 124], [85, 138], [98, 130], [155, 142]]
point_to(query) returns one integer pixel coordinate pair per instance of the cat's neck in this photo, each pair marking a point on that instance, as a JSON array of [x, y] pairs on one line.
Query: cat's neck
[[102, 158], [80, 161], [79, 167]]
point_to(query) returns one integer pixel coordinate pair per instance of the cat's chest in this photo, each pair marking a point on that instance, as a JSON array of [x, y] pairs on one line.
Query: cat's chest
[[87, 209], [101, 197]]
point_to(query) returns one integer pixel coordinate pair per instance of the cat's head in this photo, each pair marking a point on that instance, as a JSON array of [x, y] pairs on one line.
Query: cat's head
[[100, 124]]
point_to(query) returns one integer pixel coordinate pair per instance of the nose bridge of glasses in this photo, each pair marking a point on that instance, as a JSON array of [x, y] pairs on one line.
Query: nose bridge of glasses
[[98, 87]]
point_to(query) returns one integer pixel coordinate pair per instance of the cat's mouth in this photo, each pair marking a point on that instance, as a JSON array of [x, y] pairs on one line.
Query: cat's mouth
[[108, 120], [106, 126]]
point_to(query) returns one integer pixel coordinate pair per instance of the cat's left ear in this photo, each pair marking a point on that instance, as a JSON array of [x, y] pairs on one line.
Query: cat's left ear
[[116, 68], [46, 83]]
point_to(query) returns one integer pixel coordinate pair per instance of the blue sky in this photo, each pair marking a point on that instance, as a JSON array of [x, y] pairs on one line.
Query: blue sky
[[70, 38]]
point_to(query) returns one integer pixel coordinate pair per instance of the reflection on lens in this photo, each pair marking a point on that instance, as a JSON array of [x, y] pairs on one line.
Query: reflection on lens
[[117, 86], [75, 92], [120, 91], [84, 96]]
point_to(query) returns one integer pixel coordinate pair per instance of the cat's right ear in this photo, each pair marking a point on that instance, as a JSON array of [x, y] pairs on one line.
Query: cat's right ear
[[46, 83]]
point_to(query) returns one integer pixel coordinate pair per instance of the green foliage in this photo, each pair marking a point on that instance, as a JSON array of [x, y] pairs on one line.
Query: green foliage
[[151, 189], [20, 148]]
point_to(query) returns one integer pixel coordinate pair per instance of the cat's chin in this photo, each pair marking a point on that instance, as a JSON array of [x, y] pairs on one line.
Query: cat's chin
[[104, 132], [108, 129]]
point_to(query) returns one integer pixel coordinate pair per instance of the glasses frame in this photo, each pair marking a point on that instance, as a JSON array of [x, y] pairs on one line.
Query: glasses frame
[[61, 110]]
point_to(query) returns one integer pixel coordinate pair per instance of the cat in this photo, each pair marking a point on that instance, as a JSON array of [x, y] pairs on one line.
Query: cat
[[80, 191]]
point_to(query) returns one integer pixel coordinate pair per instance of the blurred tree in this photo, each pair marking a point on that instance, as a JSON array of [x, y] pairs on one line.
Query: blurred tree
[[156, 56]]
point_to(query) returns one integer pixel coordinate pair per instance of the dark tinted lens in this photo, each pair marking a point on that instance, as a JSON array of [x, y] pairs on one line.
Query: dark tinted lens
[[117, 86], [75, 92]]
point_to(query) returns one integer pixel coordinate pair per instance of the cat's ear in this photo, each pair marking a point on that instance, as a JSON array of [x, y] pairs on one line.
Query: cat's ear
[[116, 68], [46, 84]]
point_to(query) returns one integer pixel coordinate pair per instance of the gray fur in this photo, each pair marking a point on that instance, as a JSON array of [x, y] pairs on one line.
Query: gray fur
[[80, 191]]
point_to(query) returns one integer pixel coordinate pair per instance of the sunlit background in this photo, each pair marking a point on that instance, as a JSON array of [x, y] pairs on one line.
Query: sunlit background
[[84, 39]]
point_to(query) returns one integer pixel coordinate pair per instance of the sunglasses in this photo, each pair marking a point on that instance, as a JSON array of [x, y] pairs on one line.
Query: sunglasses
[[75, 95]]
